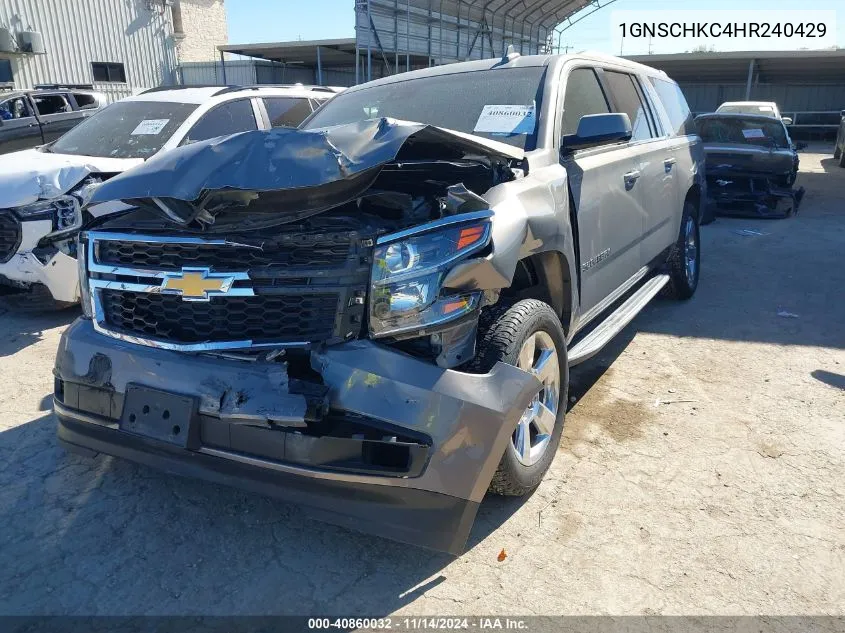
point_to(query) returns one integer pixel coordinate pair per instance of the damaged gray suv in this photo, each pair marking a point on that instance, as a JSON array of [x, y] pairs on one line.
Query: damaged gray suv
[[374, 316]]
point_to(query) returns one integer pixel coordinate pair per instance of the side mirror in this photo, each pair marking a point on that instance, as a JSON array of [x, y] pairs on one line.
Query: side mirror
[[599, 129], [786, 120]]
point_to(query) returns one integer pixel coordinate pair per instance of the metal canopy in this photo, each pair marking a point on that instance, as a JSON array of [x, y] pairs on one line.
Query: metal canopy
[[397, 35], [793, 67]]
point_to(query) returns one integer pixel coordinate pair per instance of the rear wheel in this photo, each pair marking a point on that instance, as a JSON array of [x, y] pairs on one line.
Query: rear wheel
[[528, 335], [685, 261], [842, 158]]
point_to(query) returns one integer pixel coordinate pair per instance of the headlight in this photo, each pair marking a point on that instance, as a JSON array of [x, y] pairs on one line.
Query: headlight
[[408, 270], [64, 211]]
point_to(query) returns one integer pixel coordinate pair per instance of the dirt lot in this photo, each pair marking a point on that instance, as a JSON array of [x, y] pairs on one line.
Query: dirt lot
[[702, 472]]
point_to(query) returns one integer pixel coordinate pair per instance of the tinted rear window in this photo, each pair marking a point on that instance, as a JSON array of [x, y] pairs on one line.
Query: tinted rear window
[[450, 101], [737, 130]]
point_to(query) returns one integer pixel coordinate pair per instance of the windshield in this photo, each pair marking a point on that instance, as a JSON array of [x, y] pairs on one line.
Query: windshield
[[126, 129], [748, 109], [456, 102], [743, 131]]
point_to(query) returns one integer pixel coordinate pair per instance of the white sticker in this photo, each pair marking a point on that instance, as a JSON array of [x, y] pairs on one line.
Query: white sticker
[[753, 133], [150, 127], [507, 119]]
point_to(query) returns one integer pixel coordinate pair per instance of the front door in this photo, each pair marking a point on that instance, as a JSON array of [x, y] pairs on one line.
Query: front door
[[604, 186]]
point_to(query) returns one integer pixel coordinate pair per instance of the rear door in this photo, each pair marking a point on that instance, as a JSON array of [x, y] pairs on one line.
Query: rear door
[[227, 118], [684, 144], [19, 128], [286, 111], [56, 114], [655, 192], [609, 219]]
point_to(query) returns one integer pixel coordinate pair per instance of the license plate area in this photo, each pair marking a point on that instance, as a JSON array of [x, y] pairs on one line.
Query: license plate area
[[161, 415]]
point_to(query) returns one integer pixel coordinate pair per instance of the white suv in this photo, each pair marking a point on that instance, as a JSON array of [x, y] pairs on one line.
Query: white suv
[[43, 190]]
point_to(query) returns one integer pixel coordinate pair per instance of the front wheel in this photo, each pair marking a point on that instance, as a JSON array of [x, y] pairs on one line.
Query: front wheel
[[528, 335], [685, 260]]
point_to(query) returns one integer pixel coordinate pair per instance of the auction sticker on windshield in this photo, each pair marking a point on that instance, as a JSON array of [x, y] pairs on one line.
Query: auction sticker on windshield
[[150, 127], [753, 133], [507, 119]]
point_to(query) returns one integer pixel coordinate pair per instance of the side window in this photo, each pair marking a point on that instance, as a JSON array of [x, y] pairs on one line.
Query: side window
[[85, 101], [628, 100], [584, 96], [229, 118], [51, 104], [286, 111], [676, 106], [16, 108]]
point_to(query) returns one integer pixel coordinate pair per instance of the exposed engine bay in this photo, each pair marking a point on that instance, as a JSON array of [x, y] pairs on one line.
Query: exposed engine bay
[[291, 239]]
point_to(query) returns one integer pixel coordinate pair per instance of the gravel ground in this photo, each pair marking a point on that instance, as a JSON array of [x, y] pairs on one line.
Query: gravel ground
[[702, 471]]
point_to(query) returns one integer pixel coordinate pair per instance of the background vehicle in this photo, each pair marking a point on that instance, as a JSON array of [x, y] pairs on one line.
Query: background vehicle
[[32, 117], [409, 297], [839, 146], [42, 191], [751, 165], [764, 108]]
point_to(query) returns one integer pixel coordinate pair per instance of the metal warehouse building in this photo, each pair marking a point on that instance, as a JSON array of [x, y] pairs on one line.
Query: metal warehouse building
[[116, 46]]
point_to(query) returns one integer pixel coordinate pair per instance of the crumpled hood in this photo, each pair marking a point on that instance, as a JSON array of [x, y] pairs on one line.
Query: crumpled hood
[[32, 175], [347, 157]]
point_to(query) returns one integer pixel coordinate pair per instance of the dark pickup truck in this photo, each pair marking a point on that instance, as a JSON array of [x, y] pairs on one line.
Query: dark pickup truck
[[33, 117]]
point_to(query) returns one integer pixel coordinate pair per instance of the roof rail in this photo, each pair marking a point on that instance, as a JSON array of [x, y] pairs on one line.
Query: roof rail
[[168, 88], [64, 87]]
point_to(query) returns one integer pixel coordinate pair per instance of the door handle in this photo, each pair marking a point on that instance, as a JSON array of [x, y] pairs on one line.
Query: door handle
[[668, 163], [631, 179]]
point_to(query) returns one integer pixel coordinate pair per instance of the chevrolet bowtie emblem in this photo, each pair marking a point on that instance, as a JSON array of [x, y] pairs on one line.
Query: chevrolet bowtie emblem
[[197, 284]]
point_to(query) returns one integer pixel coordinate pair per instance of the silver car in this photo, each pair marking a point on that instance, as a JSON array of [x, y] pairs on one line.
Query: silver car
[[375, 315]]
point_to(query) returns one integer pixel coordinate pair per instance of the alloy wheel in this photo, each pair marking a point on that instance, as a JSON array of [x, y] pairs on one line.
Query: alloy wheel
[[535, 428], [690, 250]]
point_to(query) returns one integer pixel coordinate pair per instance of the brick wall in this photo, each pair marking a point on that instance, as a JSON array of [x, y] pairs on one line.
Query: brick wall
[[204, 28]]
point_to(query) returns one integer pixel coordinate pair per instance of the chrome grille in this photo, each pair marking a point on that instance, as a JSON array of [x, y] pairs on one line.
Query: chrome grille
[[246, 296]]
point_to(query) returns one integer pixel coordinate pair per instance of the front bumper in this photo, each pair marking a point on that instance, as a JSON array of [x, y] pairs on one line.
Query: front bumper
[[250, 428], [55, 270]]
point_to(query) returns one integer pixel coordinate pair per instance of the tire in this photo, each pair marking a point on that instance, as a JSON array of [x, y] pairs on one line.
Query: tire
[[683, 280], [842, 159], [836, 151], [505, 331]]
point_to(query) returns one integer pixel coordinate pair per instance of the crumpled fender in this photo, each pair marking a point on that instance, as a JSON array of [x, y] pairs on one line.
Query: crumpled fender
[[32, 175]]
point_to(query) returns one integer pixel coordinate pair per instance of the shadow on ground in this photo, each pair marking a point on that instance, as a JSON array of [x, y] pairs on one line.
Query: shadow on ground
[[77, 533], [25, 328]]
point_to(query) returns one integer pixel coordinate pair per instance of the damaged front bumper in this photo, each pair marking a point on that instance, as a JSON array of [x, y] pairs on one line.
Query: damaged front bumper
[[404, 450], [30, 264], [754, 195]]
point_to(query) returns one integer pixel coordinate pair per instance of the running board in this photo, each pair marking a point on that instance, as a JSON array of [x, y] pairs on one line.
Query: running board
[[591, 344]]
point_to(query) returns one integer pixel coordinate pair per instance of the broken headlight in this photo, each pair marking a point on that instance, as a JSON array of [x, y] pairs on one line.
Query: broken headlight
[[406, 291], [63, 211]]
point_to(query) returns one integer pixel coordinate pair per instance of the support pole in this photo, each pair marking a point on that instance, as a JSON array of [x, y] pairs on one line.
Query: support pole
[[369, 43], [223, 66], [751, 65], [319, 68]]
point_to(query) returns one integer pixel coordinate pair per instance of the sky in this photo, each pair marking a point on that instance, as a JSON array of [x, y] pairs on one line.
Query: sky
[[282, 20]]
